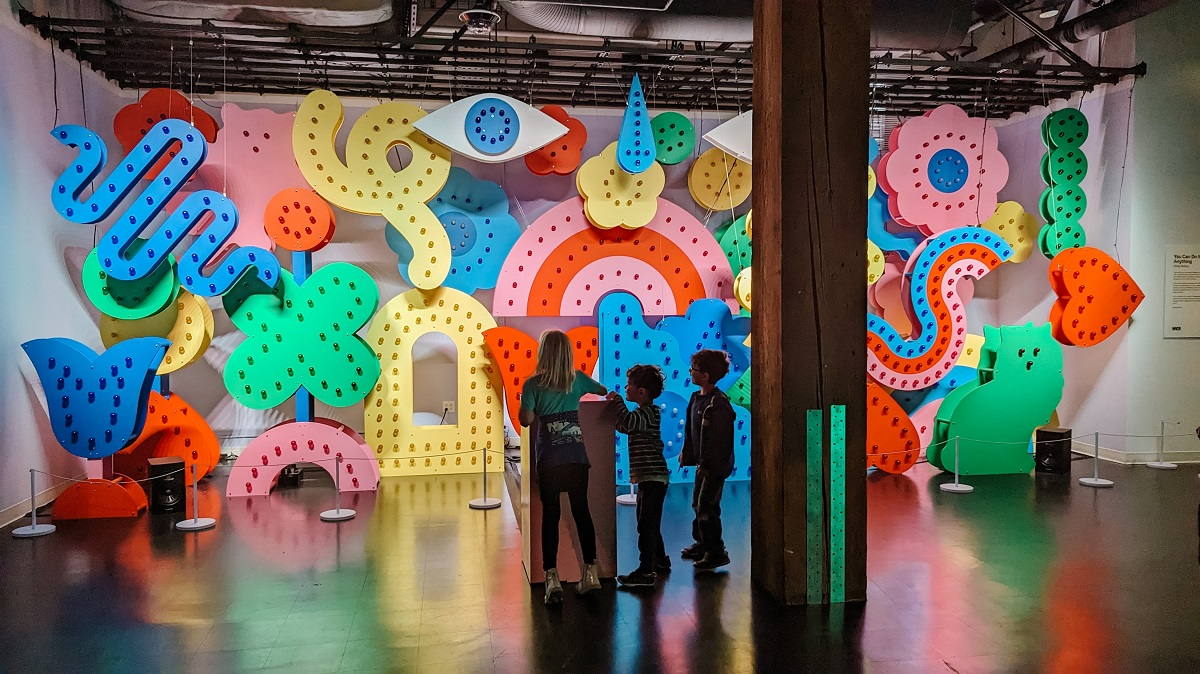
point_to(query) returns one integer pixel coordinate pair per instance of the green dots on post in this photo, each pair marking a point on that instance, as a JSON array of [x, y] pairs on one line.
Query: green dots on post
[[674, 137]]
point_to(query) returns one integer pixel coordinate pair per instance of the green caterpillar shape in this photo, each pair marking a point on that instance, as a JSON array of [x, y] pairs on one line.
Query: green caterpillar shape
[[1064, 166], [1018, 386]]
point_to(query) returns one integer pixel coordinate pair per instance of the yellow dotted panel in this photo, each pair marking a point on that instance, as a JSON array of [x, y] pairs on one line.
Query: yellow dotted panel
[[872, 182], [718, 181], [367, 184], [187, 322], [614, 198], [1018, 228], [404, 449], [750, 224], [741, 288], [875, 263], [970, 353]]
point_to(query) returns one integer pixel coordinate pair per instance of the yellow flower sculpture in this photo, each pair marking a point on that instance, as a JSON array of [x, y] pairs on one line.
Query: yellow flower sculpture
[[614, 198]]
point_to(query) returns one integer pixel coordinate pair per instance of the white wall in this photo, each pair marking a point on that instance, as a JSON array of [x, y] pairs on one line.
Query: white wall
[[1166, 210], [40, 297]]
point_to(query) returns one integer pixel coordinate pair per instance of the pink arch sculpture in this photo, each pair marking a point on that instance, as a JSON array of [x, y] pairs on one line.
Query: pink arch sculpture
[[320, 441]]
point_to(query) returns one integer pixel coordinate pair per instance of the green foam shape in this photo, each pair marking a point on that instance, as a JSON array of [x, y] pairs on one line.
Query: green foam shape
[[837, 504], [1064, 128], [303, 335], [130, 300], [814, 497], [739, 393], [674, 137], [1018, 386], [736, 244], [1068, 166]]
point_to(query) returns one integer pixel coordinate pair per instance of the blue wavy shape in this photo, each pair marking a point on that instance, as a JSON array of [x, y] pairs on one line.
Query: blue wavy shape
[[120, 241]]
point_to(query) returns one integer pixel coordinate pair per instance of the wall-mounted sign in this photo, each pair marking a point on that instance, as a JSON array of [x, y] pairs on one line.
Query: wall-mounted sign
[[1181, 313]]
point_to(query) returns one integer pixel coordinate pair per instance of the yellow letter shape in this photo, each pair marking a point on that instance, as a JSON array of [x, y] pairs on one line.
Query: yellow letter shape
[[367, 184], [401, 447]]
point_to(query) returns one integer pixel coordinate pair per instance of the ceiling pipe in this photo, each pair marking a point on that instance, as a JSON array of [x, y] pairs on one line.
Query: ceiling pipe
[[925, 25], [1095, 22]]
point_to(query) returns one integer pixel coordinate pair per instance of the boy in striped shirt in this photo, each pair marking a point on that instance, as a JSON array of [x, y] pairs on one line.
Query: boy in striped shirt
[[647, 468]]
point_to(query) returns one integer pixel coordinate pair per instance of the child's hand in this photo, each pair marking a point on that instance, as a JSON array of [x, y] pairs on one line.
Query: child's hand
[[612, 395]]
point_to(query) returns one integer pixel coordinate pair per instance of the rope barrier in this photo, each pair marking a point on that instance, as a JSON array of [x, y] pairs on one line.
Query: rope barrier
[[73, 479]]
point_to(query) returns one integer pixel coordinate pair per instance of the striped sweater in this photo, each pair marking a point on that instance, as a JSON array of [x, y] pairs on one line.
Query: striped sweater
[[646, 462]]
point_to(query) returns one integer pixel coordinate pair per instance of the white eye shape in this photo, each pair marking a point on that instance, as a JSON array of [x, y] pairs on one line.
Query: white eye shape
[[735, 137], [491, 128]]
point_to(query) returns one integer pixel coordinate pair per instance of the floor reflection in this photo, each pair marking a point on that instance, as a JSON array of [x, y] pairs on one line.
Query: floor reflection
[[1025, 574]]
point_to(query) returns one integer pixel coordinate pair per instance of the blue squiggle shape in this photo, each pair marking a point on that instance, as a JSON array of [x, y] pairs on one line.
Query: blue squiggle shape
[[96, 403], [129, 227], [924, 337]]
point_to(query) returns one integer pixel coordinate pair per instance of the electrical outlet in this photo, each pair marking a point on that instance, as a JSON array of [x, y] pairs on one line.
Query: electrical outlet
[[448, 405]]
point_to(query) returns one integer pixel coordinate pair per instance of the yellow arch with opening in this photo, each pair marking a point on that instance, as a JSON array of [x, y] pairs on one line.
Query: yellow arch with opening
[[401, 447]]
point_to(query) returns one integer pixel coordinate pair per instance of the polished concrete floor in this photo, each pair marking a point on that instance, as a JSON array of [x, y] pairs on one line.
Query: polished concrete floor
[[1024, 575]]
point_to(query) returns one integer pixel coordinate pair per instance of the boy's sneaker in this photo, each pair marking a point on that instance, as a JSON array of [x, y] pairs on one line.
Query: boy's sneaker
[[713, 560], [554, 592], [638, 578], [663, 565], [693, 552]]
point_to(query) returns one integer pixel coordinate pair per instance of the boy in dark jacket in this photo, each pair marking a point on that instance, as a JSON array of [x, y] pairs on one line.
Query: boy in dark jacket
[[708, 445]]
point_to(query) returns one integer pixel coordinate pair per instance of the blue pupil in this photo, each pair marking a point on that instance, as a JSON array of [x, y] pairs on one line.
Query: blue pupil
[[493, 129], [947, 170]]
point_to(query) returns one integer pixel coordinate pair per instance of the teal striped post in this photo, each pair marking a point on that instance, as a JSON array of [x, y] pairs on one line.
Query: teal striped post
[[837, 504], [815, 500]]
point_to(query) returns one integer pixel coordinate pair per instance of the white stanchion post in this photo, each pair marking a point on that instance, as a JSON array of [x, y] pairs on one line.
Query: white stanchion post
[[34, 529], [1095, 480], [1162, 443], [628, 499], [484, 503], [956, 487], [197, 523], [338, 513]]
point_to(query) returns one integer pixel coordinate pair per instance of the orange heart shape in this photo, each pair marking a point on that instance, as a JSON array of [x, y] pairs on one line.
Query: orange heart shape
[[1096, 296], [893, 444], [516, 355]]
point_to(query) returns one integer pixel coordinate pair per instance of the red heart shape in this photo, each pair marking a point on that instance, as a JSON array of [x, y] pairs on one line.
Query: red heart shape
[[1096, 296]]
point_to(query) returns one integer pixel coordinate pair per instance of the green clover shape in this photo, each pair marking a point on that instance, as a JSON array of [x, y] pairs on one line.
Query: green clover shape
[[303, 335]]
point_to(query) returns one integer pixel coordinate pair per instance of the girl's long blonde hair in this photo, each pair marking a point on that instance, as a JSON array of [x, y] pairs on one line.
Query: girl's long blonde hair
[[556, 361]]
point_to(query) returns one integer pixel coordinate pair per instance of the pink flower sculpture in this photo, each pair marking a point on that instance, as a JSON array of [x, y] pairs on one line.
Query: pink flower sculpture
[[942, 171]]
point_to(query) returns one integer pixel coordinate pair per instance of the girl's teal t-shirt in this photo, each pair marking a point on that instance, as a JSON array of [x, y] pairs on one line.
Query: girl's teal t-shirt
[[543, 401]]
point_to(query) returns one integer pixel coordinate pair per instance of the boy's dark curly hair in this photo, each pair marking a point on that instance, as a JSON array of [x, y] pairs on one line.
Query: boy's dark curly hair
[[714, 363], [649, 377]]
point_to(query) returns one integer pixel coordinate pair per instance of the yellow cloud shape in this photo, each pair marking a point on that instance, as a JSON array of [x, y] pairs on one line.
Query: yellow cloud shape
[[614, 198], [1018, 228]]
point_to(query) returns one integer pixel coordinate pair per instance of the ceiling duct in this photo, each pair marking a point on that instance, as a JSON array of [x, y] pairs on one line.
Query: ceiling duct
[[925, 25]]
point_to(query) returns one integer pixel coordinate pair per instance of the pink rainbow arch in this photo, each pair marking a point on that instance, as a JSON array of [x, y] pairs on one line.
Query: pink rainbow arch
[[562, 265]]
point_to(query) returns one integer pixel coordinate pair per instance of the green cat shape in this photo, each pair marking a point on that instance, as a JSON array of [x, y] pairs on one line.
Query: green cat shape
[[1018, 386]]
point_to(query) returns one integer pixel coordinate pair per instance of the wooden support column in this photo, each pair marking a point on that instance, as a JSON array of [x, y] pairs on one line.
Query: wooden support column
[[811, 71]]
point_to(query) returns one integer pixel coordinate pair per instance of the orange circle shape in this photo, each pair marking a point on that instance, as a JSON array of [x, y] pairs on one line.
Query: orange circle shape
[[299, 220]]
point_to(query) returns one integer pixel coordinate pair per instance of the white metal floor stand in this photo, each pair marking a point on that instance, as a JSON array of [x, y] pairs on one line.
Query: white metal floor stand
[[1095, 480], [956, 487], [338, 514], [34, 529]]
